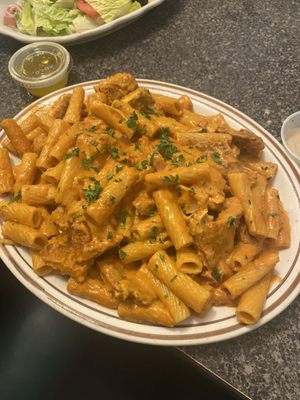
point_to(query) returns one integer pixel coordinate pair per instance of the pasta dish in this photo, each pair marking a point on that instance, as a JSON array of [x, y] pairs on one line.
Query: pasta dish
[[143, 205]]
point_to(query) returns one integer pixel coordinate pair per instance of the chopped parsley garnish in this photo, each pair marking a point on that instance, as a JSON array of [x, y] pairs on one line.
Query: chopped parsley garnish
[[181, 157], [86, 162], [151, 212], [112, 199], [112, 150], [155, 268], [153, 235], [202, 159], [273, 214], [171, 179], [165, 148], [110, 131], [182, 205], [92, 129], [216, 274], [137, 146], [110, 176], [131, 122], [118, 168], [109, 235], [142, 165], [192, 191], [203, 130], [215, 156], [17, 197], [93, 143], [92, 192], [151, 162], [118, 180], [162, 257], [122, 254], [124, 216], [173, 279], [72, 153], [230, 221], [147, 112], [84, 207]]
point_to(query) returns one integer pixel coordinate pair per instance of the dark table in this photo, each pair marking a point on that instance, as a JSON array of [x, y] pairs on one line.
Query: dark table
[[245, 53]]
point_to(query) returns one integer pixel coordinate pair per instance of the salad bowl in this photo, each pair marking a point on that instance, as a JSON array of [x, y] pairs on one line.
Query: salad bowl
[[78, 37]]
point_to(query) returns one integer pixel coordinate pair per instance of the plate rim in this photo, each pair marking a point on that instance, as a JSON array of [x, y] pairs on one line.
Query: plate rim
[[84, 319], [84, 36]]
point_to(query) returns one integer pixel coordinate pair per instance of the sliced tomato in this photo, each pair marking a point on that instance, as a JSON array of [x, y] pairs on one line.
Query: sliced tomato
[[85, 8]]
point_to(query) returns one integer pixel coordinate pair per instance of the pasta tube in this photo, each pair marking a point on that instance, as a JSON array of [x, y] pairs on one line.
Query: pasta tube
[[251, 302], [188, 261], [195, 296], [243, 254], [112, 194], [55, 132], [179, 176], [172, 218], [176, 307], [7, 145], [40, 266], [59, 107], [30, 123], [26, 171], [75, 106], [71, 168], [136, 251], [6, 173], [284, 234], [52, 175], [143, 123], [250, 274], [38, 195], [16, 136], [47, 226], [23, 235], [20, 213], [273, 213], [35, 133], [113, 117], [241, 188], [144, 229], [64, 143], [39, 143]]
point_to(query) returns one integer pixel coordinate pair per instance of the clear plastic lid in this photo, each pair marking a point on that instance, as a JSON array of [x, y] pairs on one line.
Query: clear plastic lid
[[40, 64]]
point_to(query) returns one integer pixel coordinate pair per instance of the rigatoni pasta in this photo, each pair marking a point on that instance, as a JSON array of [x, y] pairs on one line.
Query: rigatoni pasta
[[142, 204]]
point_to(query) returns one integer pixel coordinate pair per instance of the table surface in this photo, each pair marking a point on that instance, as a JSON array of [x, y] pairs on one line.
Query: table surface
[[247, 54]]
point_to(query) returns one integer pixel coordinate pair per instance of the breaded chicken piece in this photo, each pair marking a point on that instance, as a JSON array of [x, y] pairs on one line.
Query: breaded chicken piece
[[116, 86]]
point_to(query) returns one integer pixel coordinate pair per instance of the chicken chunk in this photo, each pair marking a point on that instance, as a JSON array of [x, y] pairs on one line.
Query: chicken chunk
[[116, 86], [139, 99], [248, 142]]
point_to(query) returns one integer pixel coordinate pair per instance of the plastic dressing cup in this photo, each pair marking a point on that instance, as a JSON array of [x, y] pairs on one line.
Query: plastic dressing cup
[[290, 135], [41, 67]]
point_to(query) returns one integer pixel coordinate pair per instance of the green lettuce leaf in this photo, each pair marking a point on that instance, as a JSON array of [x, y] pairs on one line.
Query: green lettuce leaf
[[134, 6], [46, 18], [24, 19], [83, 23], [111, 9]]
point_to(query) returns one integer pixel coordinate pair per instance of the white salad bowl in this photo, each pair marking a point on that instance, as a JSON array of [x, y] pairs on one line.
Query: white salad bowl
[[75, 38]]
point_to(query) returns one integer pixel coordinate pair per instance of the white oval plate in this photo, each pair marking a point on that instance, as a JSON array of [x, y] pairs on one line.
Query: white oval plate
[[220, 323], [76, 38]]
